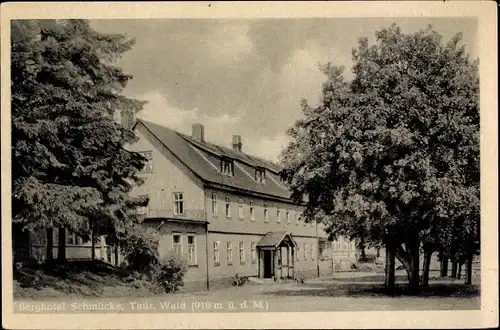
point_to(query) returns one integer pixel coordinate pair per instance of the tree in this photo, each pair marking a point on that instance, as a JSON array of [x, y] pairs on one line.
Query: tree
[[69, 167], [393, 152]]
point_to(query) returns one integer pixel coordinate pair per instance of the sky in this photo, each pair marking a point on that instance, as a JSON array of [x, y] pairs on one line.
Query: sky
[[246, 77]]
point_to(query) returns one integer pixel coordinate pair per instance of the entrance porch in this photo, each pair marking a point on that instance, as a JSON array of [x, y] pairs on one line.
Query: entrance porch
[[276, 255]]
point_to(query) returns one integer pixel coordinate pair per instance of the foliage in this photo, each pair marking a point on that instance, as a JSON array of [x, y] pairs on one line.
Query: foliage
[[69, 167], [168, 274], [393, 155], [140, 249]]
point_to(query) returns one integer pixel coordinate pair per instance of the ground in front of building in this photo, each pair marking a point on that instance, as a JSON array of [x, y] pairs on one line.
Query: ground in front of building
[[342, 292]]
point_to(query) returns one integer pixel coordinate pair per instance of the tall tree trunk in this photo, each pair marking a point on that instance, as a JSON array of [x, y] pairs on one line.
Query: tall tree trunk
[[468, 278], [93, 242], [390, 268], [116, 255], [426, 267], [61, 245], [50, 245], [454, 266], [414, 267], [444, 266]]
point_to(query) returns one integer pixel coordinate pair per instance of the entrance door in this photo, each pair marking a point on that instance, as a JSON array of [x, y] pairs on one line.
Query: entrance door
[[267, 264]]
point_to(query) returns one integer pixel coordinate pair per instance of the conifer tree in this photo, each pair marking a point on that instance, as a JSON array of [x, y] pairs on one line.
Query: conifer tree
[[69, 166]]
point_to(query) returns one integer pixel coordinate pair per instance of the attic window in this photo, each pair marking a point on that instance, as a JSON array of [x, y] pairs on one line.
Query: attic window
[[260, 175], [227, 166]]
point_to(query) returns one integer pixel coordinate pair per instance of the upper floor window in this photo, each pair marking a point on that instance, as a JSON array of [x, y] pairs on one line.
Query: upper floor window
[[214, 204], [149, 160], [287, 216], [266, 213], [228, 207], [240, 208], [252, 211], [227, 166], [260, 175], [178, 203], [297, 218], [278, 215]]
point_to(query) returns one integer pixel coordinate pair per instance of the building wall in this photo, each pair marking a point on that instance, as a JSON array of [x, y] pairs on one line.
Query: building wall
[[234, 224], [197, 271], [168, 175]]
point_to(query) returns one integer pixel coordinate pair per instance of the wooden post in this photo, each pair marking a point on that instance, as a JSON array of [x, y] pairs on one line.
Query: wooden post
[[258, 260], [50, 245], [288, 261], [293, 261]]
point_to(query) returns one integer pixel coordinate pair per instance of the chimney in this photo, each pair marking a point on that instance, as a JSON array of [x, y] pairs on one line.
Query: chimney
[[198, 132], [237, 142]]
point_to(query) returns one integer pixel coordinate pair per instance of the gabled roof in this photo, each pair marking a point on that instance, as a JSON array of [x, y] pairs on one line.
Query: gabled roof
[[274, 239], [203, 159]]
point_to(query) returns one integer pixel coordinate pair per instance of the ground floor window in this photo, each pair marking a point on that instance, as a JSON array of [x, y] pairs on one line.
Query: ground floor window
[[192, 249], [254, 252], [305, 250], [216, 253], [177, 243], [229, 253], [242, 252]]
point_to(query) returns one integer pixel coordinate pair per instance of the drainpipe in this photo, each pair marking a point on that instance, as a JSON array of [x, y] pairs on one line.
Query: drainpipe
[[206, 250], [317, 248]]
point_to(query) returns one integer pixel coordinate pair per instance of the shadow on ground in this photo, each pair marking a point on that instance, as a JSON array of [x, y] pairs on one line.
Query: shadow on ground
[[86, 278], [452, 290]]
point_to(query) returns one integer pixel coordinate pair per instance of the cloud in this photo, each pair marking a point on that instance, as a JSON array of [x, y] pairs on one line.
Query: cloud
[[218, 129]]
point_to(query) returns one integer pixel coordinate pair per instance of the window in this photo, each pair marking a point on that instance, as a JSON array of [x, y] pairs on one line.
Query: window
[[305, 251], [260, 175], [149, 160], [216, 253], [313, 251], [278, 215], [177, 243], [228, 207], [297, 218], [214, 204], [191, 249], [229, 253], [254, 252], [252, 213], [227, 166], [242, 252], [297, 255], [287, 216], [240, 209], [178, 203], [70, 238], [142, 210], [266, 213]]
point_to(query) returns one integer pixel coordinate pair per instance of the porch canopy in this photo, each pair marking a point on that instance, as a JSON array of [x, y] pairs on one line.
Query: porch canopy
[[275, 259], [273, 240]]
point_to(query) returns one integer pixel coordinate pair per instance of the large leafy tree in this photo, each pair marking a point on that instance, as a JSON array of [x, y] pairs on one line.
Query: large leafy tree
[[69, 167], [393, 155]]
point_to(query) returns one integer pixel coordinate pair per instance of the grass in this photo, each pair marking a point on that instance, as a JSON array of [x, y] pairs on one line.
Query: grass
[[88, 278]]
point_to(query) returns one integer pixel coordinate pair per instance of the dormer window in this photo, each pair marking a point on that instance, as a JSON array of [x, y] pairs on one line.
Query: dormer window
[[227, 166], [260, 175]]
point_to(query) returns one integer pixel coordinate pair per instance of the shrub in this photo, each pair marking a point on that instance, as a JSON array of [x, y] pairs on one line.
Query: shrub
[[140, 250], [168, 274]]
